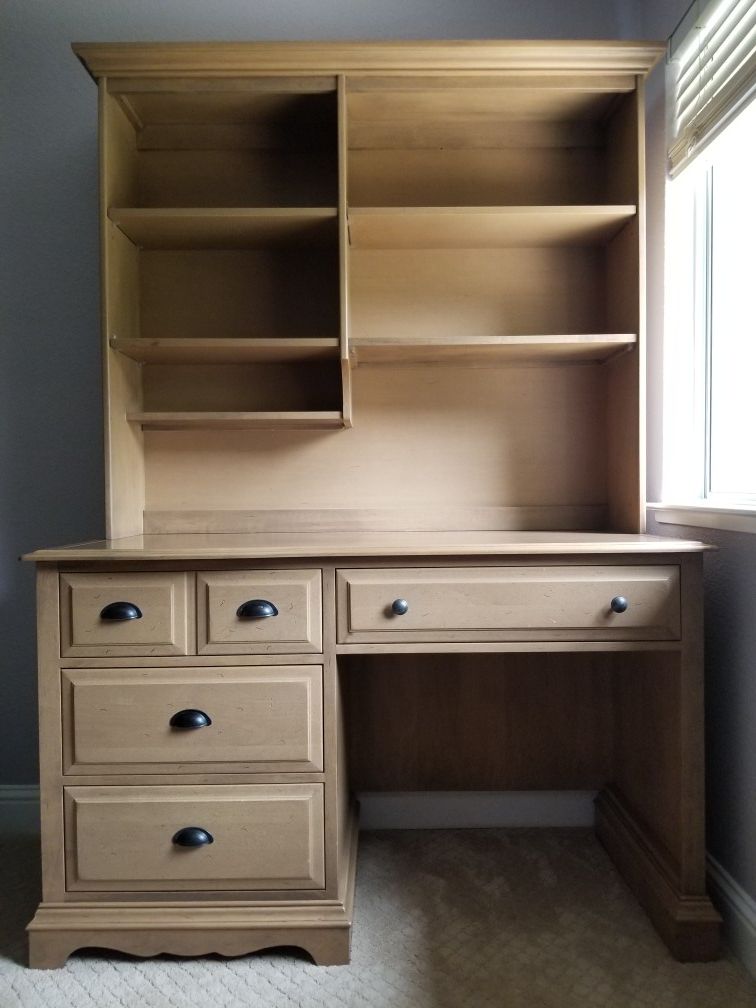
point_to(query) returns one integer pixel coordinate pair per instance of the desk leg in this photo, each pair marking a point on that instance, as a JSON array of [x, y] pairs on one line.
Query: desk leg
[[651, 820]]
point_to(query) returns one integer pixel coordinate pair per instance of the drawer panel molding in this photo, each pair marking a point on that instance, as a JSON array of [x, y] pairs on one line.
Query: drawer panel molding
[[509, 603], [261, 837], [257, 719], [264, 611], [126, 614]]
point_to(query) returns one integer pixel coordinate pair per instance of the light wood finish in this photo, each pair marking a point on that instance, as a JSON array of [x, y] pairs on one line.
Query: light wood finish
[[409, 721], [244, 293], [124, 446], [198, 293], [217, 175], [467, 294], [209, 228], [226, 235], [529, 602], [293, 210], [488, 350], [530, 163], [228, 421], [626, 304], [687, 922], [484, 227], [274, 388], [323, 929], [50, 733], [346, 521], [166, 626], [279, 545], [344, 314], [219, 350], [218, 166], [296, 629], [224, 59], [265, 837], [263, 719], [241, 144], [472, 431]]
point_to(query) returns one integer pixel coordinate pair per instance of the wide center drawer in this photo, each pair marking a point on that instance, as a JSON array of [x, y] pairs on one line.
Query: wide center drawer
[[509, 603], [238, 836], [185, 720]]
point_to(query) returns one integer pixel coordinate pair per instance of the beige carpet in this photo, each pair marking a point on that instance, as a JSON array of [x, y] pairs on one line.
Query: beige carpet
[[444, 919]]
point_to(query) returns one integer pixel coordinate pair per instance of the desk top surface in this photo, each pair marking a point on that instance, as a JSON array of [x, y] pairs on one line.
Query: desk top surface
[[284, 545]]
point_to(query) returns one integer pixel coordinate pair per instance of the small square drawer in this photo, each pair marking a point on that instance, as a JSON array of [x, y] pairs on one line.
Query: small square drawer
[[264, 612], [156, 838], [112, 615], [579, 602], [256, 719]]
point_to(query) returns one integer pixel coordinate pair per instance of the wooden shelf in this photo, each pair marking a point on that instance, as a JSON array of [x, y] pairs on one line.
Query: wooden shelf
[[227, 351], [490, 350], [320, 420], [484, 227], [224, 227]]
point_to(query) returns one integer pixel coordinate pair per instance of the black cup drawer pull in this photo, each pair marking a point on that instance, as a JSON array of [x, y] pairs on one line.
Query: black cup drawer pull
[[190, 718], [121, 611], [192, 836], [256, 608], [619, 604]]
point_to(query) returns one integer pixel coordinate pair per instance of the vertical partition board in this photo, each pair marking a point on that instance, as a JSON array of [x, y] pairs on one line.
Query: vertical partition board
[[648, 771], [124, 450], [626, 307], [346, 371]]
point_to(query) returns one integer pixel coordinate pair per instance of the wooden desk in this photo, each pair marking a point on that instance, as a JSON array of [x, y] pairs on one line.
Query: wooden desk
[[352, 286], [563, 660]]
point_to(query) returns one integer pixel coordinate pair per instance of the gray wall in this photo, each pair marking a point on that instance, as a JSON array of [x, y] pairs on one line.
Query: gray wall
[[51, 475], [730, 580]]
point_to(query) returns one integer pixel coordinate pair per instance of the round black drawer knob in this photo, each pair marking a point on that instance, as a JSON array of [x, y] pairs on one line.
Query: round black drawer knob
[[116, 611], [619, 604], [399, 607], [190, 718], [256, 608], [192, 836]]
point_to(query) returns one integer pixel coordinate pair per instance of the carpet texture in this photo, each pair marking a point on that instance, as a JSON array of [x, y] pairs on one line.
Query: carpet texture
[[443, 919]]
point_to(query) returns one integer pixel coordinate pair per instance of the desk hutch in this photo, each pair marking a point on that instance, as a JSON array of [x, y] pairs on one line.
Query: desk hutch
[[373, 366]]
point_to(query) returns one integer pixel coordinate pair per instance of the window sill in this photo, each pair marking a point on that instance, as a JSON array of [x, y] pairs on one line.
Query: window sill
[[732, 519]]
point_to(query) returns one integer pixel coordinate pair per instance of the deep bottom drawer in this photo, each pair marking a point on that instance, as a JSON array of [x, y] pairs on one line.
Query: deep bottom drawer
[[264, 836]]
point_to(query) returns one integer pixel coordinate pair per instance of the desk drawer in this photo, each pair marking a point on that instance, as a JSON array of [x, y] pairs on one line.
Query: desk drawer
[[264, 836], [509, 603], [111, 615], [232, 607], [262, 720]]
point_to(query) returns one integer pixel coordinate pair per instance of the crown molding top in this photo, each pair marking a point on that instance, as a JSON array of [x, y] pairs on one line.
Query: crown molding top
[[220, 59]]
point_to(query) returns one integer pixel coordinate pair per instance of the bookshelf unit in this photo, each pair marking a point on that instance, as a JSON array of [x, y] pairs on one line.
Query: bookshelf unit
[[373, 336]]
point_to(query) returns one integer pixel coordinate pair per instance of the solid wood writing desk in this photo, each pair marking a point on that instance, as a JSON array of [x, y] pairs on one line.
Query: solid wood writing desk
[[352, 286], [582, 668]]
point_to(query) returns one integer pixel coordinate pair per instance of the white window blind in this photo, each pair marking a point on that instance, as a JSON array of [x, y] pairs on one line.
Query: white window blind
[[711, 72]]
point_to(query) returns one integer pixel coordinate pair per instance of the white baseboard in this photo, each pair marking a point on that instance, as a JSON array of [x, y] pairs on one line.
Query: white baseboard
[[470, 809], [19, 808], [738, 911]]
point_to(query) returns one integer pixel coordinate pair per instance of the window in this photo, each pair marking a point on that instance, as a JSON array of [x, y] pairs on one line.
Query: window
[[710, 315]]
